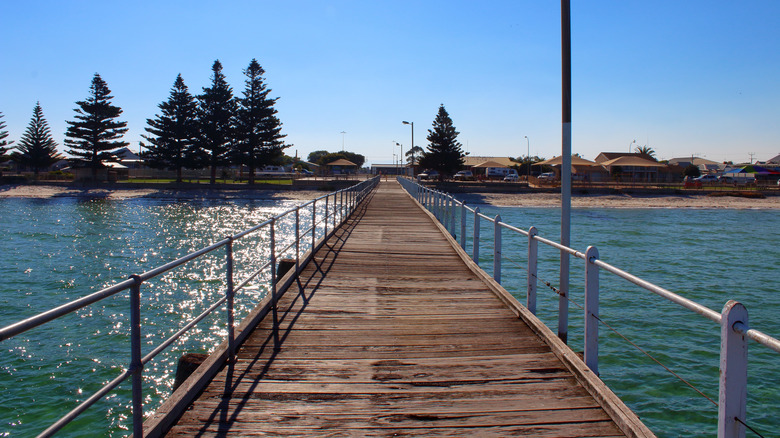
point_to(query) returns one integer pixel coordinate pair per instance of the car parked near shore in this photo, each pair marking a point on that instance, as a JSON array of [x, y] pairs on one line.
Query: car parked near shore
[[706, 179], [464, 175], [428, 174], [546, 177]]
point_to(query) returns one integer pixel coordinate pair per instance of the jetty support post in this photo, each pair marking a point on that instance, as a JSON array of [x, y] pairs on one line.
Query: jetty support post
[[475, 249], [732, 395], [591, 348], [533, 256], [136, 365], [463, 226], [497, 249]]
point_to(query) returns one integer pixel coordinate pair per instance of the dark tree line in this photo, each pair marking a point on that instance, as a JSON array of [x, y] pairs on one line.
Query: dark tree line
[[324, 157], [215, 128], [210, 130]]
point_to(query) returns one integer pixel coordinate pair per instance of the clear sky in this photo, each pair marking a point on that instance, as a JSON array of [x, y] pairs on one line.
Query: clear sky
[[687, 77]]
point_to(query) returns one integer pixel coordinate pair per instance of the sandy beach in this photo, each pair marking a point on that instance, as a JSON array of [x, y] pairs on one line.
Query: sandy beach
[[701, 201], [52, 191], [551, 200]]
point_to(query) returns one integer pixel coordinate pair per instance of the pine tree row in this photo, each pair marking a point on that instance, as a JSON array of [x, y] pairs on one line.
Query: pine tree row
[[210, 130]]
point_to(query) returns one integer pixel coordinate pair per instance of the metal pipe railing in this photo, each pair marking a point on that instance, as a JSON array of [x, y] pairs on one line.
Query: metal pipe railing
[[734, 332], [338, 211]]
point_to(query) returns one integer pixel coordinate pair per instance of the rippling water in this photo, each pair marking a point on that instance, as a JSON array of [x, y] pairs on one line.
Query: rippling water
[[56, 250], [60, 249]]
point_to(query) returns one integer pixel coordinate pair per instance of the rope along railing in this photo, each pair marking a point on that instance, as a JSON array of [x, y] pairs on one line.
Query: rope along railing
[[733, 320], [327, 213], [632, 343]]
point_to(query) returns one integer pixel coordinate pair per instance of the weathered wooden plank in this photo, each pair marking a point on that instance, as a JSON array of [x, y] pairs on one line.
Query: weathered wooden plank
[[388, 332]]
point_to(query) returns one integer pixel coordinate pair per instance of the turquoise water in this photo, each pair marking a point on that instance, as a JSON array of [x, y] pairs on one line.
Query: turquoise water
[[59, 249]]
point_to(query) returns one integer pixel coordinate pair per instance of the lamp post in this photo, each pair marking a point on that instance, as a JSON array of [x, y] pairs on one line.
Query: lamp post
[[629, 146], [528, 158], [412, 125], [400, 157], [342, 140]]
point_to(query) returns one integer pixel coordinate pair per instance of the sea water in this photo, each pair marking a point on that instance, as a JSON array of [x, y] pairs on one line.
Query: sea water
[[56, 250]]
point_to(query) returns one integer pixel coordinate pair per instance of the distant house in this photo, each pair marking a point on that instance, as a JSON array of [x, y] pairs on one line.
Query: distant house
[[471, 161], [389, 169], [774, 160], [111, 171], [704, 165], [128, 158], [607, 156]]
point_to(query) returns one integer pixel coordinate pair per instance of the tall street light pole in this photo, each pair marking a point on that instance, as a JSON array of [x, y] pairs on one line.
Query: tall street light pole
[[528, 158], [342, 140], [412, 125]]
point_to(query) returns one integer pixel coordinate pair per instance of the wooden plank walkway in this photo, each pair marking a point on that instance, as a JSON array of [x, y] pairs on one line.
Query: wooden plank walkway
[[391, 333]]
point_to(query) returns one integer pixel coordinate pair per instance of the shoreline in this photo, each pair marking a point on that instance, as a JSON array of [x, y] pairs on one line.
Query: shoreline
[[525, 199], [647, 201]]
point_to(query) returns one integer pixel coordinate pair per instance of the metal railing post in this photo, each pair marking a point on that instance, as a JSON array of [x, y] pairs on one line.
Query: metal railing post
[[533, 255], [313, 226], [452, 215], [497, 249], [475, 249], [592, 309], [297, 239], [325, 236], [463, 225], [136, 366], [230, 294], [732, 395], [446, 211], [272, 233]]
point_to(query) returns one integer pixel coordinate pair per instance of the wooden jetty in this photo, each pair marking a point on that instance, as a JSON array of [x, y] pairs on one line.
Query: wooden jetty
[[392, 330]]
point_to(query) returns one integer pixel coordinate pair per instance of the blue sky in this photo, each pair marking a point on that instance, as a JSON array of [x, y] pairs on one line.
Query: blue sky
[[688, 77]]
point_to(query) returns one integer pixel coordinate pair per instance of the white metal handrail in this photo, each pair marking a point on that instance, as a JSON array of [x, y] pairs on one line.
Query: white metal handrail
[[338, 207], [733, 319]]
